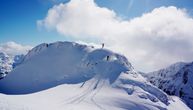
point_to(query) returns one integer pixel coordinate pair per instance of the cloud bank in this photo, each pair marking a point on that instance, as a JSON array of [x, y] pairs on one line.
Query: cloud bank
[[151, 41], [12, 48]]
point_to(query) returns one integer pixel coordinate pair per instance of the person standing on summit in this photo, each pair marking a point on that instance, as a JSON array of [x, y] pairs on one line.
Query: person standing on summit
[[103, 45]]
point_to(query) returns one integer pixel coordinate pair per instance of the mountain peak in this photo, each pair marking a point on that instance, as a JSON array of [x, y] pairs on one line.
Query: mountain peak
[[82, 76], [48, 65]]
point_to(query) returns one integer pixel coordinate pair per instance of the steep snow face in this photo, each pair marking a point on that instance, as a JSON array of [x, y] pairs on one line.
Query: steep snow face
[[106, 64], [48, 65], [175, 80]]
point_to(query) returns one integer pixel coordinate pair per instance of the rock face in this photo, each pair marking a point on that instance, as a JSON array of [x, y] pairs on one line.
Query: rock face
[[176, 79], [80, 77]]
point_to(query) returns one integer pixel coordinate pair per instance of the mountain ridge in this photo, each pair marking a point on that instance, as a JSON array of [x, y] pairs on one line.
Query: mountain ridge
[[80, 76], [175, 80]]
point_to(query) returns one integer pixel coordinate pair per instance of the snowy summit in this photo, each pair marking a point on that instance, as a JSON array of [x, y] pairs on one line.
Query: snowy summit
[[71, 76]]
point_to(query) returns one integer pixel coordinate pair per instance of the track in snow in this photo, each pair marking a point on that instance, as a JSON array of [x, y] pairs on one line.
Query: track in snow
[[94, 94], [91, 92]]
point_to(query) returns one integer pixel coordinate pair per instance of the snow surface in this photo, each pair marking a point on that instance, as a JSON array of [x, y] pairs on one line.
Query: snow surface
[[70, 76]]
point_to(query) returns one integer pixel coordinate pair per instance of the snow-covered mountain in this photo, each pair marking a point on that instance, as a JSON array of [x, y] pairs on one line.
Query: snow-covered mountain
[[8, 62], [5, 64], [176, 79], [70, 76]]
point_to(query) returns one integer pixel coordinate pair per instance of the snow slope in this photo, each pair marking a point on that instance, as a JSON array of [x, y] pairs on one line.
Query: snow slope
[[70, 76], [175, 80]]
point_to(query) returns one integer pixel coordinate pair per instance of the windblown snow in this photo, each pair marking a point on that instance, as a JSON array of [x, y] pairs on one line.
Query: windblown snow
[[71, 76]]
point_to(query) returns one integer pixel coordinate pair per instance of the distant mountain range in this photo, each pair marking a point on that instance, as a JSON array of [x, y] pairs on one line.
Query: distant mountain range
[[8, 62], [176, 79]]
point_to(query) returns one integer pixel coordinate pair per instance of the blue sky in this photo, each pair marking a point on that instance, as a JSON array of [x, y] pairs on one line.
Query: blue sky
[[150, 33], [18, 17]]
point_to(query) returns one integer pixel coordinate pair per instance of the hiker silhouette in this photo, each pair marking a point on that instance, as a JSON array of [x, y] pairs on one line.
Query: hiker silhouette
[[103, 45]]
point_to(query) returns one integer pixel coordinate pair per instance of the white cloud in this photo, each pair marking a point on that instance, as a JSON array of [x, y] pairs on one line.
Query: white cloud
[[13, 48], [152, 41]]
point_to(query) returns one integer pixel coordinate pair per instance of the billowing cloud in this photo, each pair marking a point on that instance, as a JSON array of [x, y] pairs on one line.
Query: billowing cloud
[[151, 41], [13, 48]]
